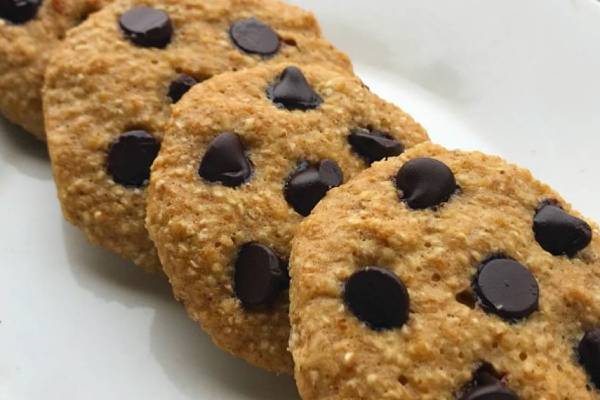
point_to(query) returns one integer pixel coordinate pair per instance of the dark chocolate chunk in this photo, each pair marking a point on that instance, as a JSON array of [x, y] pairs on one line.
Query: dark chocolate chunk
[[225, 161], [19, 11], [255, 37], [130, 157], [147, 27], [589, 355], [506, 288], [560, 233], [260, 275], [309, 183], [292, 91], [486, 374], [425, 183], [285, 268], [378, 298], [486, 385], [490, 391], [374, 145], [180, 86]]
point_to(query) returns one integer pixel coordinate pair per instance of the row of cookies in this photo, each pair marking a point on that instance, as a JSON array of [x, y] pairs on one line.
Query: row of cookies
[[416, 272], [111, 104], [433, 275], [109, 73], [109, 84], [110, 87]]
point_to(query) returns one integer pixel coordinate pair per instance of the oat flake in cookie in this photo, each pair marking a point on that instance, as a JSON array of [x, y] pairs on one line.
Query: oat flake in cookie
[[29, 31], [248, 154], [110, 89], [445, 275]]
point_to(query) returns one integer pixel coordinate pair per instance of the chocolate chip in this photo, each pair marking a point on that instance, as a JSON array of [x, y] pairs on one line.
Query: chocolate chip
[[425, 183], [589, 355], [506, 288], [180, 86], [225, 161], [467, 298], [486, 385], [374, 145], [130, 157], [259, 275], [494, 391], [486, 374], [147, 27], [558, 232], [309, 183], [285, 267], [378, 298], [19, 11], [292, 91], [255, 37]]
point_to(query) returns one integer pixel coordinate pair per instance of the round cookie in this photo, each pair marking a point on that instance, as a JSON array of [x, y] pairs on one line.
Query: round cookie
[[445, 275], [247, 155], [110, 88], [29, 32]]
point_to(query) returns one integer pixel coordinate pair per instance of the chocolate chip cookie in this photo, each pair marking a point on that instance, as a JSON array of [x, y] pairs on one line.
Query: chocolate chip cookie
[[29, 31], [110, 88], [248, 155], [445, 275]]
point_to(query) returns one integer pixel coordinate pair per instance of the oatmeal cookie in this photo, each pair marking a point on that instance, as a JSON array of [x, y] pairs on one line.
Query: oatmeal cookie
[[446, 275], [247, 156]]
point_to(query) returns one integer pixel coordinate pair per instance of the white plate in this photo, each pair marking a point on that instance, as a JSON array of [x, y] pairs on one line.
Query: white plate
[[516, 78]]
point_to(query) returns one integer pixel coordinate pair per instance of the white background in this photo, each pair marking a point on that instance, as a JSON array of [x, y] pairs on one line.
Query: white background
[[519, 78]]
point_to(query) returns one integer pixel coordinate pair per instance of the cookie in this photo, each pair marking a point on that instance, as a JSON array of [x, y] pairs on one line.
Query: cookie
[[247, 156], [29, 31], [110, 88], [445, 275]]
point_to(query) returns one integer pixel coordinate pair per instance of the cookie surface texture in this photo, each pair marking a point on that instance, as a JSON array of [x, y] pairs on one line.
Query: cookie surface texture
[[246, 156], [445, 275], [29, 31], [110, 89]]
